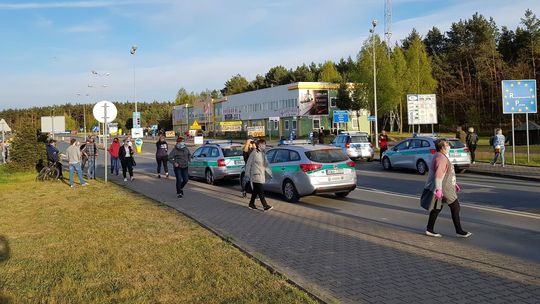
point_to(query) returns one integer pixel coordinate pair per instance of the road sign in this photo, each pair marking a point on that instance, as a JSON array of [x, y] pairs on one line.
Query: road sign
[[519, 96], [138, 144], [195, 126], [422, 109], [371, 118], [99, 111], [341, 116], [137, 133], [136, 119], [4, 127]]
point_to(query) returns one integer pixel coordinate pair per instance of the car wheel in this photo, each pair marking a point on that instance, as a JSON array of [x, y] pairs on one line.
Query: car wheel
[[386, 163], [289, 192], [342, 194], [370, 159], [209, 177], [421, 167]]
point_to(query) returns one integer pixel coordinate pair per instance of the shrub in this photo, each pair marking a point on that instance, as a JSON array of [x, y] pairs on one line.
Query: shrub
[[27, 150]]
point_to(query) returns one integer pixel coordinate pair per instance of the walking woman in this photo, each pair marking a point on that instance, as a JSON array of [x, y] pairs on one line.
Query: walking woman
[[114, 149], [162, 156], [497, 142], [442, 182], [180, 158], [248, 147], [256, 169], [126, 159], [472, 141]]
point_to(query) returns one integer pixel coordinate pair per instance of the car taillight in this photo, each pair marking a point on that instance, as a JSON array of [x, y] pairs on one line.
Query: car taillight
[[433, 151], [310, 167], [221, 163], [347, 145], [466, 150], [351, 164]]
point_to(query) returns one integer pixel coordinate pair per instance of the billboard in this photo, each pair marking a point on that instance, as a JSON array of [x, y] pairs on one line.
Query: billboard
[[231, 126], [422, 109], [256, 131], [313, 102], [48, 122]]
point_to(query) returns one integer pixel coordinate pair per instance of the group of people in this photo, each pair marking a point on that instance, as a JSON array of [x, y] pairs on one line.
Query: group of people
[[497, 142]]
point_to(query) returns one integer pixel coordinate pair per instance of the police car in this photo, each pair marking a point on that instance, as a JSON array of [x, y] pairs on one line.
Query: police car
[[217, 160], [300, 169], [355, 144], [417, 153]]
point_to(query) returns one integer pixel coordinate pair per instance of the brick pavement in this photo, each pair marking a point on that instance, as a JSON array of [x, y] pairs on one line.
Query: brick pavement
[[349, 259]]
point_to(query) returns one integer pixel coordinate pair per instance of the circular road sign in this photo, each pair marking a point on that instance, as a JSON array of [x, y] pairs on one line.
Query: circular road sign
[[99, 111]]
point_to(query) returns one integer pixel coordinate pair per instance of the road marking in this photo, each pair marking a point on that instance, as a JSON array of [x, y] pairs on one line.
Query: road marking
[[469, 205], [478, 185]]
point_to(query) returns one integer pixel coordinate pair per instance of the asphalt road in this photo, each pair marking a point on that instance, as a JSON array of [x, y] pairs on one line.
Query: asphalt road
[[502, 213]]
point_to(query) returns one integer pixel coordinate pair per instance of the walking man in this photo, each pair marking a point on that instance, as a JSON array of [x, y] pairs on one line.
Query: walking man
[[90, 149], [162, 156], [383, 143], [73, 154], [180, 158], [257, 168], [461, 135], [442, 182], [472, 141]]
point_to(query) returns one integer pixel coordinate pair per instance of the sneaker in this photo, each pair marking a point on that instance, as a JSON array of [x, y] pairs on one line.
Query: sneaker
[[158, 176], [433, 234], [252, 207], [244, 194], [125, 179], [502, 165], [465, 234], [131, 178], [84, 185], [180, 195], [268, 208], [166, 174], [71, 186]]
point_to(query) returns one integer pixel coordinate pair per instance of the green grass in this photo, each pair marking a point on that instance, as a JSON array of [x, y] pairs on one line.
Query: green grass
[[104, 244]]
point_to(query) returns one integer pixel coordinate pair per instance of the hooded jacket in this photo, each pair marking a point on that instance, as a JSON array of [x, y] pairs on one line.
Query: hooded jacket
[[180, 156], [114, 149]]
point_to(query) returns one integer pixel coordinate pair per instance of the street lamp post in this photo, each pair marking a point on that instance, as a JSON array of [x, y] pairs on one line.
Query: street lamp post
[[374, 24], [133, 50]]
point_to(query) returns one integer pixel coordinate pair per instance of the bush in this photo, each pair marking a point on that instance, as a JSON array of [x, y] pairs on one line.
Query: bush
[[27, 151]]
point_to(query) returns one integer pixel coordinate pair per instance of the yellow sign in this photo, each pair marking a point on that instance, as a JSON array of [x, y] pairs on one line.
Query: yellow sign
[[230, 123], [169, 134], [195, 126]]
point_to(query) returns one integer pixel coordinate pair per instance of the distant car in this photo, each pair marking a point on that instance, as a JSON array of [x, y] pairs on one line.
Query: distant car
[[355, 144], [301, 169], [417, 153], [217, 160]]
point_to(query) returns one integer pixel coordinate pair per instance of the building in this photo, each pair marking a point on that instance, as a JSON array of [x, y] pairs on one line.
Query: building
[[300, 107]]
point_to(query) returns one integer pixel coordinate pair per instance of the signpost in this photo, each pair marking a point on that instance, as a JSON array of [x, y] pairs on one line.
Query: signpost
[[518, 97], [422, 109], [341, 116], [105, 112]]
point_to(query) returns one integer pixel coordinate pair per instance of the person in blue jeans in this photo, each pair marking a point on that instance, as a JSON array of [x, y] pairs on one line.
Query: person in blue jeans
[[497, 142], [73, 154], [180, 158], [91, 152]]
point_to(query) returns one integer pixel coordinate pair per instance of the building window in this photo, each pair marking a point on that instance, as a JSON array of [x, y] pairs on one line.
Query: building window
[[333, 101], [316, 123], [294, 124], [286, 125], [276, 125]]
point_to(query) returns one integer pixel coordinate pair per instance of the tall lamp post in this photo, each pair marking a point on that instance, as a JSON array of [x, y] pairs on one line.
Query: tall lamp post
[[372, 31], [84, 113], [132, 51]]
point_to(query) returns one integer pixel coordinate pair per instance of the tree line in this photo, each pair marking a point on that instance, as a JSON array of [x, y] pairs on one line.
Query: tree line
[[464, 66]]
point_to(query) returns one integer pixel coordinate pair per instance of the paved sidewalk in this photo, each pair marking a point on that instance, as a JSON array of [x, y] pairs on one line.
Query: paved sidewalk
[[348, 259], [512, 171]]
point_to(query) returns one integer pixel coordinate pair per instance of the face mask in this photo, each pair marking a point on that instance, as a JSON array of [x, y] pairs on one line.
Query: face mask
[[262, 147], [180, 145]]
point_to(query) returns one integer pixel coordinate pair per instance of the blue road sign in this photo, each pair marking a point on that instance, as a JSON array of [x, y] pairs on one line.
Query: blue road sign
[[138, 141], [371, 118], [341, 116], [519, 96]]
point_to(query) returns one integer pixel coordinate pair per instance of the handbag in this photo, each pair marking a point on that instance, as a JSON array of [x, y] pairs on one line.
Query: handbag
[[497, 149], [133, 162], [427, 199]]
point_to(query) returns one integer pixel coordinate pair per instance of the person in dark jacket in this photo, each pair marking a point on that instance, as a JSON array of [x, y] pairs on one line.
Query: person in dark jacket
[[461, 135], [472, 141], [180, 158], [162, 156], [52, 155], [126, 159], [321, 136]]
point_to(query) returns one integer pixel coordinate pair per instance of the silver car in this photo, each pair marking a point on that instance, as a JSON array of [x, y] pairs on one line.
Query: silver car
[[417, 153], [304, 169], [355, 144], [217, 160]]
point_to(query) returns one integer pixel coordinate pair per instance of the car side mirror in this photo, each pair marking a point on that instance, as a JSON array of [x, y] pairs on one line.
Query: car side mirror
[[394, 149]]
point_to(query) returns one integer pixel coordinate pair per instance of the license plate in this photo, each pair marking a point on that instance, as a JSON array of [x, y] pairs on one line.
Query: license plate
[[238, 162], [334, 171], [455, 154], [336, 178]]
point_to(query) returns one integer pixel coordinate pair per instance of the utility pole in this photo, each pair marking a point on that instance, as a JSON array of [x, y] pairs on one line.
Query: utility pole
[[374, 24]]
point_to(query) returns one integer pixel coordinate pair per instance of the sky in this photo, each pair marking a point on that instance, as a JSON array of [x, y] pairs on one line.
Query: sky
[[48, 49]]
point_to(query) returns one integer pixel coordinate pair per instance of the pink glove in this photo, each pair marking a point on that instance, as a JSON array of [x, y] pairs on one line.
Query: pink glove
[[438, 193], [458, 188]]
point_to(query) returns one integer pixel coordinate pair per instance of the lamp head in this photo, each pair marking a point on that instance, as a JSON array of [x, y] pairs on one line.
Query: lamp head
[[374, 22]]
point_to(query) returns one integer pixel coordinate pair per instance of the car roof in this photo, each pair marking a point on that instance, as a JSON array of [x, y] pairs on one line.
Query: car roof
[[307, 147]]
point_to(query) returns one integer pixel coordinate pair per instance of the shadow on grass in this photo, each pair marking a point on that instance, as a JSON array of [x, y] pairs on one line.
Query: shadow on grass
[[5, 253]]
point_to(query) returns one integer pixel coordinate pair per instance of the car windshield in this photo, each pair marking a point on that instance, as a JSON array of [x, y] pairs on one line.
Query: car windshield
[[359, 139], [327, 156], [232, 151], [456, 144]]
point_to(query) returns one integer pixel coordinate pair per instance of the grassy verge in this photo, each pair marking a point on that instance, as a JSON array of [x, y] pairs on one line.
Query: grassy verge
[[103, 244]]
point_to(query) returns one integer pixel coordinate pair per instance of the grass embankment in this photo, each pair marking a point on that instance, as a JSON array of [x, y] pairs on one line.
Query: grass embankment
[[104, 244]]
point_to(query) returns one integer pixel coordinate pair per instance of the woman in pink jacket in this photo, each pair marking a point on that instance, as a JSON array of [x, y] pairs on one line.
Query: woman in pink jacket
[[442, 182]]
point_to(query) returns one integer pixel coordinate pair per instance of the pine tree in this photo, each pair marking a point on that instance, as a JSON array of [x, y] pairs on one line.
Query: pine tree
[[27, 152]]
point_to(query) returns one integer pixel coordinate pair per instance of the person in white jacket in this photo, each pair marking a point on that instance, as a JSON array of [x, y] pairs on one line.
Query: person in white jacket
[[257, 168]]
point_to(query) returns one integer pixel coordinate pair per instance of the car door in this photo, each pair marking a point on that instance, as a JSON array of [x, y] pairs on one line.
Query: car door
[[279, 166], [192, 170], [270, 182], [399, 153], [413, 154], [199, 162]]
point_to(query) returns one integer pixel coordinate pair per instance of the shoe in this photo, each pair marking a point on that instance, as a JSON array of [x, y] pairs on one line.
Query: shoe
[[167, 175], [71, 186], [180, 195], [131, 178], [125, 179], [84, 185], [502, 165], [268, 208], [252, 207], [244, 194], [158, 176], [433, 234], [473, 162], [465, 234]]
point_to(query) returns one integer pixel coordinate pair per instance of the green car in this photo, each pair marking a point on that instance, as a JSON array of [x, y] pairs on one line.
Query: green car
[[217, 160]]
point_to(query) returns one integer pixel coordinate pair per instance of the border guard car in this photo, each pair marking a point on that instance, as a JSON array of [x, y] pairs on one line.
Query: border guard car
[[217, 160]]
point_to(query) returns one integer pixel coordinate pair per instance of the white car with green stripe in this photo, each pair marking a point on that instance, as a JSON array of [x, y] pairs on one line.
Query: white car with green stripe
[[217, 160], [301, 170], [417, 153]]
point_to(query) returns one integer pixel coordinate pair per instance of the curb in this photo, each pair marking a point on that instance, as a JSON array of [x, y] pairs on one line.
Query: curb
[[495, 174], [230, 241]]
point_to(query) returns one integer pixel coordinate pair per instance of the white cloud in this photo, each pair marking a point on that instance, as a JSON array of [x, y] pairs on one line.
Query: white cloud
[[90, 27], [69, 4]]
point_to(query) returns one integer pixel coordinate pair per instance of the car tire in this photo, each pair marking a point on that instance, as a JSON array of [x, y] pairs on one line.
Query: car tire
[[421, 167], [289, 192], [370, 159], [387, 165], [342, 194], [209, 177]]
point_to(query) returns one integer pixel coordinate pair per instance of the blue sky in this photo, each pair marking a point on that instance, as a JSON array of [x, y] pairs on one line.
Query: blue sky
[[49, 48]]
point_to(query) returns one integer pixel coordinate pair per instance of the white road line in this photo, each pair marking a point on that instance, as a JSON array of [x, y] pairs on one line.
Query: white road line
[[478, 185], [469, 205]]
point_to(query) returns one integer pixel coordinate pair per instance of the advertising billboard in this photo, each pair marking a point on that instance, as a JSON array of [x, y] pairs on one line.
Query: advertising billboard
[[422, 109], [313, 102], [48, 122]]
